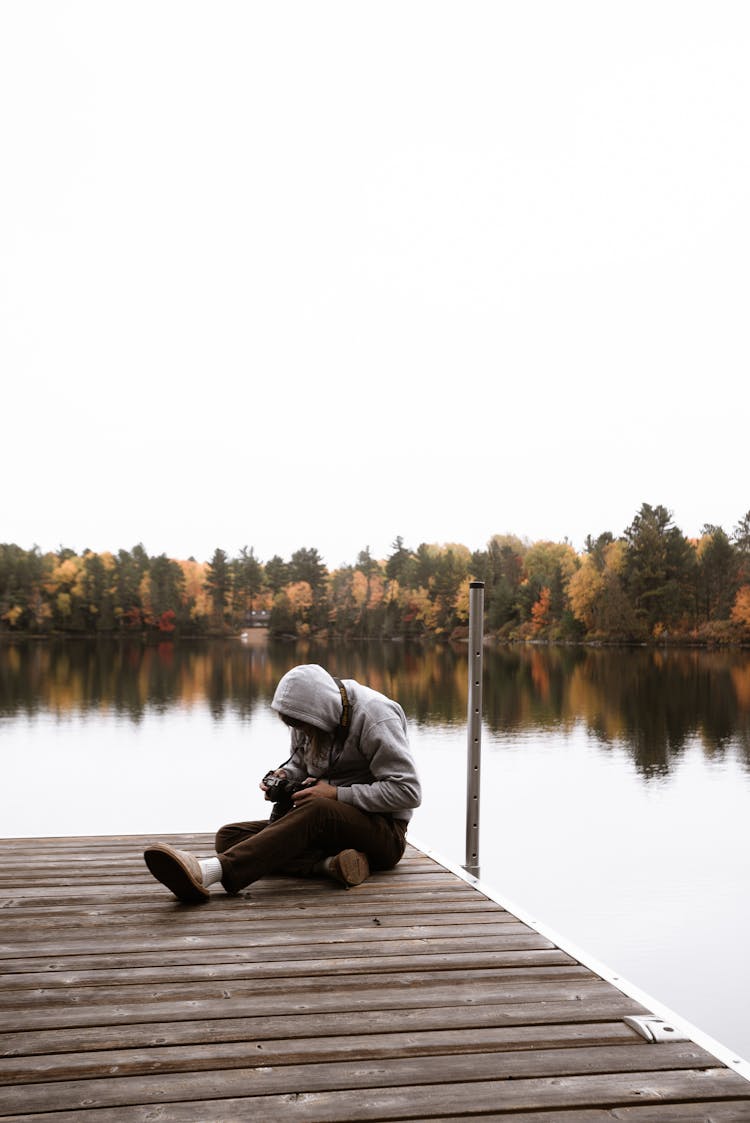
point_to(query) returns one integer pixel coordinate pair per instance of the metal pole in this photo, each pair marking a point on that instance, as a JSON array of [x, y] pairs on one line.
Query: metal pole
[[474, 746]]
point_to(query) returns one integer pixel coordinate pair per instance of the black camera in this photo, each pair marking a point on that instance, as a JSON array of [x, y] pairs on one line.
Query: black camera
[[280, 790]]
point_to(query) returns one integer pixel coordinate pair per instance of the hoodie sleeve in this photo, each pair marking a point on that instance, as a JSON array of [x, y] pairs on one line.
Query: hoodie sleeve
[[395, 786]]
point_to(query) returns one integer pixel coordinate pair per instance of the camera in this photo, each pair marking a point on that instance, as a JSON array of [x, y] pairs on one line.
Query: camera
[[280, 790]]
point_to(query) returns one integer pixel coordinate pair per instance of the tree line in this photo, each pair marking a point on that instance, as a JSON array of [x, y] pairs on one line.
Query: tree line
[[651, 583]]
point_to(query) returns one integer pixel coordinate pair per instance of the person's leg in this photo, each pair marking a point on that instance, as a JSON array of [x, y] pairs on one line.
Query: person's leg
[[234, 833], [324, 826], [321, 836]]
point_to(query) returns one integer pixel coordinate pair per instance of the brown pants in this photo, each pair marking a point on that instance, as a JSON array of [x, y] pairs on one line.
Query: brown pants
[[295, 843]]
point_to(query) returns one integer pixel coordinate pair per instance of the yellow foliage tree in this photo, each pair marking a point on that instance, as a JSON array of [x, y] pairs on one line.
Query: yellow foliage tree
[[68, 576], [584, 589], [300, 597], [144, 591], [196, 594], [461, 606], [359, 588], [12, 615], [544, 560], [64, 606], [377, 590], [595, 595], [420, 609]]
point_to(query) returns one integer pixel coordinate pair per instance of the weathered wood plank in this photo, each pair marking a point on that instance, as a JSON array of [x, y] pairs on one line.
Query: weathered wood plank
[[366, 896], [355, 1000], [714, 1111], [270, 1079], [354, 1047], [339, 935], [34, 929], [478, 1018], [281, 985], [250, 967], [408, 1102], [501, 946]]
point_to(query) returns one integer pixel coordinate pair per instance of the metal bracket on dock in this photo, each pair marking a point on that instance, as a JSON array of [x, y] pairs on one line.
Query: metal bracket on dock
[[654, 1028]]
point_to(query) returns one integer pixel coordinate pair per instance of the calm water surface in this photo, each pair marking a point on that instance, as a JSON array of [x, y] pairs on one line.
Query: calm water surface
[[615, 784]]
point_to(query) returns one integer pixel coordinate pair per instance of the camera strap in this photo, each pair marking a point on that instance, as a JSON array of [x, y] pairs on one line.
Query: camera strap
[[342, 732], [346, 706]]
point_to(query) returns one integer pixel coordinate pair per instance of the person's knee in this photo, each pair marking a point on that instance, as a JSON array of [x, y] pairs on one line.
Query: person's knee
[[232, 833], [224, 837], [319, 811]]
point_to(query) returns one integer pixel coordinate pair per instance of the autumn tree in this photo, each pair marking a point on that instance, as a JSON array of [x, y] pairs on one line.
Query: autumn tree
[[741, 541], [740, 613], [67, 579], [541, 610], [585, 590], [596, 593], [197, 606], [548, 565], [291, 610]]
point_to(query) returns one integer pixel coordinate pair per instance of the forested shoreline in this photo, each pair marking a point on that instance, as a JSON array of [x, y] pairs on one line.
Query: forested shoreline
[[650, 584]]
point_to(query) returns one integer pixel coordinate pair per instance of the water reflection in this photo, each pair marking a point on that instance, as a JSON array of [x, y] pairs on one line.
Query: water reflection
[[653, 702]]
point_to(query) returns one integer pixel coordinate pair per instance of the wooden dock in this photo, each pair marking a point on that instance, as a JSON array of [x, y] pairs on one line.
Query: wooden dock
[[413, 997]]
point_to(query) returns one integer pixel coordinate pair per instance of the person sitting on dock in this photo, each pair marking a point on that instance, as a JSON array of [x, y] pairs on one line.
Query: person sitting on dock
[[342, 800]]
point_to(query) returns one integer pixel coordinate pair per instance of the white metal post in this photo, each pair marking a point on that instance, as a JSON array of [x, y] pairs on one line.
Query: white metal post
[[474, 746]]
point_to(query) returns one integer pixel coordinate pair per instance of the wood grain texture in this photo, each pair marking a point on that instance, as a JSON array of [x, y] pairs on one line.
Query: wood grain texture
[[412, 996]]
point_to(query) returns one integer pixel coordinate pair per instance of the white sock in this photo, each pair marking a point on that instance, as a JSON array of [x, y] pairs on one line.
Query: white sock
[[211, 870]]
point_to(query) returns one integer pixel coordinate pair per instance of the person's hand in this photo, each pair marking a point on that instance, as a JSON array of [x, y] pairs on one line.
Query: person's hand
[[317, 790], [280, 772]]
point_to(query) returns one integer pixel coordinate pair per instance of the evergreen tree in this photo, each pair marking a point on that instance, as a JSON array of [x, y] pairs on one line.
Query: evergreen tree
[[167, 586], [717, 574], [218, 585], [307, 565], [247, 581], [659, 568], [397, 564], [277, 574]]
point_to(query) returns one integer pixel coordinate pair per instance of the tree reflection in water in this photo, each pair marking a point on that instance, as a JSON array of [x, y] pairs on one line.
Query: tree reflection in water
[[653, 702]]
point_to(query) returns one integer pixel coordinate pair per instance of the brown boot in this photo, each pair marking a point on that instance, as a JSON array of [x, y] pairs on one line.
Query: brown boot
[[178, 870], [350, 867]]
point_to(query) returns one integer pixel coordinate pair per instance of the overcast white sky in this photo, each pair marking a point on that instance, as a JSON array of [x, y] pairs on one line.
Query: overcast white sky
[[319, 274]]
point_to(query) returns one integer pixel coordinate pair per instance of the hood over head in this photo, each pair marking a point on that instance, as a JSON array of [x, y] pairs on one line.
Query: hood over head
[[308, 693]]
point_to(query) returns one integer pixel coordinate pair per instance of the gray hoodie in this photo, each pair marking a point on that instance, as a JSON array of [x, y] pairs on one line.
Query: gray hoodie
[[374, 770]]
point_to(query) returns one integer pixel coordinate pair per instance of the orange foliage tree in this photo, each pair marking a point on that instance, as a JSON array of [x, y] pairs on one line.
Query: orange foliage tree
[[740, 613], [541, 614]]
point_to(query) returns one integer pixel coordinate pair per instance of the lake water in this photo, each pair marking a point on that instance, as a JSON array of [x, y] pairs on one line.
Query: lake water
[[615, 785]]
